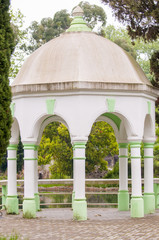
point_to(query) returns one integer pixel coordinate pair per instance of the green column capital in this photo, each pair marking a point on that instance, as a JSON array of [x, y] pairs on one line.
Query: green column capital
[[135, 144], [79, 145], [12, 147], [30, 147], [148, 145], [123, 145]]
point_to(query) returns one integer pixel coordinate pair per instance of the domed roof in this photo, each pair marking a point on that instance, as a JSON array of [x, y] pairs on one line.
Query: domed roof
[[80, 56]]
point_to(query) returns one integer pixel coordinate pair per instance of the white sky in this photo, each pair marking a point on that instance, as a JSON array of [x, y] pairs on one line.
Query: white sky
[[35, 10]]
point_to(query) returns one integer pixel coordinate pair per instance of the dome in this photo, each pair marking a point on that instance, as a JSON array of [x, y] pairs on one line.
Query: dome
[[78, 57]]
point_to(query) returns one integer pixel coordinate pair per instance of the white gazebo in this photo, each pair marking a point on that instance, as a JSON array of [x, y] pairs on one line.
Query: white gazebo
[[80, 78]]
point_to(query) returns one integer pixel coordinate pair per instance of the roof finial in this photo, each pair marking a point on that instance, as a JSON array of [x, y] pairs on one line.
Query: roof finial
[[78, 24], [77, 12]]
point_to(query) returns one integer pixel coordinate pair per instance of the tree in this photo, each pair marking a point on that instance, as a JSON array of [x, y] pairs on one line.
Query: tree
[[142, 19], [47, 29], [50, 28], [56, 146], [17, 57], [140, 50], [93, 14], [7, 45], [101, 143]]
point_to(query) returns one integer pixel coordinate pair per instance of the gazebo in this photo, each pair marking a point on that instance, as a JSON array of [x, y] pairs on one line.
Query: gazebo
[[77, 79]]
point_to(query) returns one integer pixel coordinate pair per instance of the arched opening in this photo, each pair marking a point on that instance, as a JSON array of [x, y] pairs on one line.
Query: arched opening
[[55, 153]]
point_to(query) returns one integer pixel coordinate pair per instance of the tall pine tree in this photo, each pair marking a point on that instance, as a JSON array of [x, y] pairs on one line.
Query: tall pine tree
[[6, 48]]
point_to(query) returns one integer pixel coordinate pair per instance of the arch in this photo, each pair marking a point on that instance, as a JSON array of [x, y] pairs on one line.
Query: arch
[[121, 125], [45, 121], [110, 122], [149, 132], [15, 132]]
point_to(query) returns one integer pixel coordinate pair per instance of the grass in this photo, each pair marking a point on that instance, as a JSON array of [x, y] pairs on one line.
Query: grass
[[12, 237]]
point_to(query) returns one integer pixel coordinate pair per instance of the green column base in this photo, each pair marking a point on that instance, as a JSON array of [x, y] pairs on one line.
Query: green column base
[[29, 208], [123, 200], [12, 205], [37, 201], [80, 209], [156, 191], [149, 203], [73, 198], [137, 207], [4, 196]]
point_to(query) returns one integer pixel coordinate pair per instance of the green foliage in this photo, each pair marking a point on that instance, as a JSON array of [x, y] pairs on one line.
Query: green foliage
[[142, 20], [20, 156], [50, 28], [56, 146], [47, 29], [140, 50], [93, 14], [7, 44], [101, 143], [12, 237], [141, 17], [17, 58], [121, 38]]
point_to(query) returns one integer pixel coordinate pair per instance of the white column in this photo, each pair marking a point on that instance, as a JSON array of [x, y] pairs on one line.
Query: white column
[[36, 171], [29, 206], [137, 206], [149, 197], [12, 200], [123, 166], [12, 170], [36, 193], [79, 205], [123, 195]]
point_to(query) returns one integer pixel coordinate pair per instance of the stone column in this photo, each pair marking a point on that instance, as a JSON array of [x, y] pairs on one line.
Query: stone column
[[12, 200], [36, 193], [123, 195], [29, 206], [80, 204], [149, 197], [137, 203]]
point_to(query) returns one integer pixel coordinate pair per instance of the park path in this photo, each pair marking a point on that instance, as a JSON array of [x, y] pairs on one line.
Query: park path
[[102, 224]]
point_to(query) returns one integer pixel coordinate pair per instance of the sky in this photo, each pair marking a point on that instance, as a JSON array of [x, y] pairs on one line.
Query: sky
[[35, 10]]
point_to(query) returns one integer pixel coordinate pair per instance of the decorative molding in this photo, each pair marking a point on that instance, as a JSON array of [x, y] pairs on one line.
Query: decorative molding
[[50, 104], [123, 156], [148, 145], [12, 159], [111, 104], [149, 107], [123, 145], [135, 144], [114, 118], [12, 107], [30, 147], [79, 158], [79, 145], [12, 147]]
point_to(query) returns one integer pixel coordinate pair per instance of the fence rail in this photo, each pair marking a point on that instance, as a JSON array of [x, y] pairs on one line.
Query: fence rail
[[89, 182]]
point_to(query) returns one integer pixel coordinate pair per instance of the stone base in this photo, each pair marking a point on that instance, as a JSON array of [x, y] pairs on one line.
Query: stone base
[[73, 198], [80, 209], [37, 201], [12, 205], [29, 208], [156, 191], [123, 200], [137, 207], [149, 203]]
